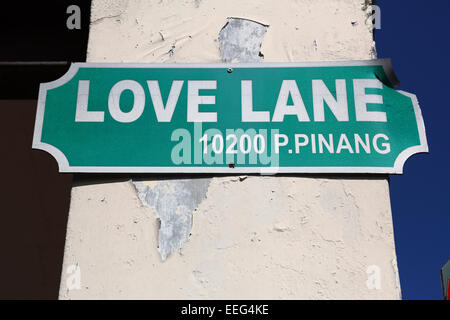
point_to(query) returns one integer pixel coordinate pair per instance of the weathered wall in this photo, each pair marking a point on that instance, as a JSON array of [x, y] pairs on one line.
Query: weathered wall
[[267, 237]]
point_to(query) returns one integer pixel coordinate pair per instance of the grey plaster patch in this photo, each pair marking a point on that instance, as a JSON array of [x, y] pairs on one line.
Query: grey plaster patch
[[240, 40], [174, 202], [339, 203]]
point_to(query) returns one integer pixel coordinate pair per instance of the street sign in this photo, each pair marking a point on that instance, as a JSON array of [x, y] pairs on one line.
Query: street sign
[[334, 117]]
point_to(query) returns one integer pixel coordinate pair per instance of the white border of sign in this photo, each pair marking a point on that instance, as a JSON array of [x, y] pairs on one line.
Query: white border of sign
[[65, 167]]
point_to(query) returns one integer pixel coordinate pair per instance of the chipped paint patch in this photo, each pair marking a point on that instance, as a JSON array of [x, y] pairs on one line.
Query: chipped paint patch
[[174, 202], [397, 279], [240, 40]]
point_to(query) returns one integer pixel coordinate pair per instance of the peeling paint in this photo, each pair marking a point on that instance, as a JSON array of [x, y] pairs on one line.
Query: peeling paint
[[373, 51], [110, 10], [397, 278], [315, 45], [367, 8], [241, 39], [173, 201], [172, 48]]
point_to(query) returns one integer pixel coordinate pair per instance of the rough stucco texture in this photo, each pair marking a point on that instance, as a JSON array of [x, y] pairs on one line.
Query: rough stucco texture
[[263, 237]]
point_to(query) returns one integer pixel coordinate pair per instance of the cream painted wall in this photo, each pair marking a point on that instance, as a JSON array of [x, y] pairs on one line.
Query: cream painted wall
[[263, 237]]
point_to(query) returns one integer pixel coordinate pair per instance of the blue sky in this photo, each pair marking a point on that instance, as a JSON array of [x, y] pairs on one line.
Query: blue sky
[[416, 36]]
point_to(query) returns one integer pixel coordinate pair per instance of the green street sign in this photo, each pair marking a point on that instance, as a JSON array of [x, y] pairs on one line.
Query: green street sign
[[334, 117]]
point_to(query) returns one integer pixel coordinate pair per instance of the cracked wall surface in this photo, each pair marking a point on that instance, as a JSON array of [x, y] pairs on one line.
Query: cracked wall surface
[[248, 237]]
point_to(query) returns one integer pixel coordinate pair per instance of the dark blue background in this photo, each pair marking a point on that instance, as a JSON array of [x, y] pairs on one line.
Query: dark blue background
[[416, 36]]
